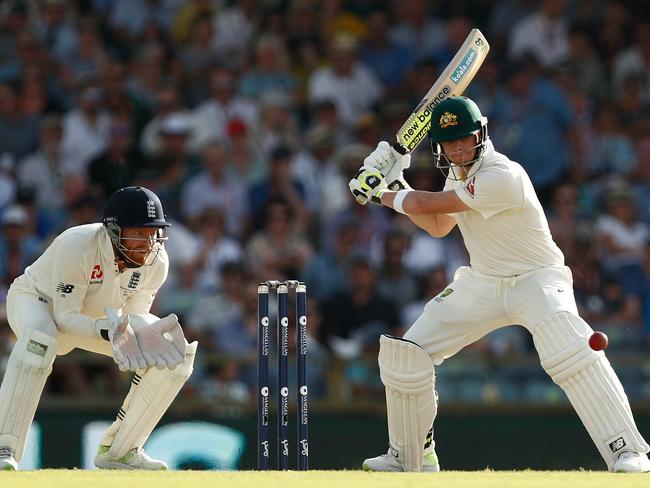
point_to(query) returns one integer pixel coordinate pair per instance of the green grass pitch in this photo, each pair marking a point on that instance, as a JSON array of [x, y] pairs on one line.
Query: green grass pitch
[[319, 479]]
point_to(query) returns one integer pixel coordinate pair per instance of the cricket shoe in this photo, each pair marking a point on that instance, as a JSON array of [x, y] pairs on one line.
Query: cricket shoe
[[136, 458], [7, 459], [389, 462], [632, 462]]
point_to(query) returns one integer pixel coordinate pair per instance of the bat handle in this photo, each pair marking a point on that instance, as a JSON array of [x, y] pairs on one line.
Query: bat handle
[[400, 149]]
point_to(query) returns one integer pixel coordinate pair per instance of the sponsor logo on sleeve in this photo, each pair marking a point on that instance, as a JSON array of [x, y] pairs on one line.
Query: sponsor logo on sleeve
[[469, 186], [64, 288], [97, 275], [443, 294]]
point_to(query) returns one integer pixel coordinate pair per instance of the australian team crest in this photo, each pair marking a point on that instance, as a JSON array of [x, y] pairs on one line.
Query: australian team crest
[[448, 120]]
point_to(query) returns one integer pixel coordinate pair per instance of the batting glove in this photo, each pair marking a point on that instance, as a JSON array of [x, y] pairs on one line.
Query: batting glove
[[369, 184]]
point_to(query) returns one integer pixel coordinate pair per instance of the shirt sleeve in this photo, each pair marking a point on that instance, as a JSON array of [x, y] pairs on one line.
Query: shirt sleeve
[[492, 191], [140, 302], [70, 279]]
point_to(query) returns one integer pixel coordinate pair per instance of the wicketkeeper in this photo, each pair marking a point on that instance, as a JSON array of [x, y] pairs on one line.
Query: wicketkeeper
[[516, 276], [93, 288]]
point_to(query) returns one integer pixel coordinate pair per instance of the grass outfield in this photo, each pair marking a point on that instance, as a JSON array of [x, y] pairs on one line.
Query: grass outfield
[[319, 479]]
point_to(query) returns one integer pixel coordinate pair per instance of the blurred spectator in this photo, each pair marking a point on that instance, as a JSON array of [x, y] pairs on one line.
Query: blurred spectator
[[271, 72], [213, 115], [234, 29], [317, 169], [358, 315], [85, 57], [278, 125], [216, 249], [188, 13], [18, 247], [635, 60], [219, 306], [222, 384], [55, 28], [642, 180], [614, 152], [533, 123], [43, 171], [417, 30], [237, 337], [430, 285], [147, 75], [128, 18], [394, 282], [168, 102], [326, 272], [197, 58], [588, 278], [346, 81], [388, 60], [280, 249], [86, 128], [245, 162], [212, 188], [278, 183], [18, 131], [542, 33], [622, 236], [116, 167], [170, 170], [563, 218], [590, 76], [503, 15], [633, 109]]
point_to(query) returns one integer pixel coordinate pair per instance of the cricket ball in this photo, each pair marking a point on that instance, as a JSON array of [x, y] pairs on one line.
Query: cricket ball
[[598, 341]]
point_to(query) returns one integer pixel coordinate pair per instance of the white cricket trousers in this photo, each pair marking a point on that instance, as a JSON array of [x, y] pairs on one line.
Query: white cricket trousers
[[474, 304]]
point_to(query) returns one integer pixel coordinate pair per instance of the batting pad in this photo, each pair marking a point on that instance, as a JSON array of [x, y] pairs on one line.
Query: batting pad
[[407, 373], [151, 394], [28, 367], [590, 383]]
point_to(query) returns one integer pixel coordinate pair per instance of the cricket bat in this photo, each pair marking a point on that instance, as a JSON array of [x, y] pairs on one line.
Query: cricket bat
[[452, 82]]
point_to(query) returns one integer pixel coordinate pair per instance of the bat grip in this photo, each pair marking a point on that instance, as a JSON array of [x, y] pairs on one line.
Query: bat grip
[[399, 148]]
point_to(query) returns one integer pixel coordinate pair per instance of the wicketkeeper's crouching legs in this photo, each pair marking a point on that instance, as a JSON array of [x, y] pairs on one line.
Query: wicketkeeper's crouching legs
[[152, 392], [593, 388], [29, 365]]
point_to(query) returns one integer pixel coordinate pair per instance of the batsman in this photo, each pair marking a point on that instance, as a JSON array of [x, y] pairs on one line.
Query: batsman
[[92, 289], [516, 276]]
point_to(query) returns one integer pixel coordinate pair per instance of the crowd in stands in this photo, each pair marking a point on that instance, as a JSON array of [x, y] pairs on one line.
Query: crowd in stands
[[248, 118]]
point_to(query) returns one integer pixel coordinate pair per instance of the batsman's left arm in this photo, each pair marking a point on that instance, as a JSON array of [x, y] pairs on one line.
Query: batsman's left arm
[[416, 202]]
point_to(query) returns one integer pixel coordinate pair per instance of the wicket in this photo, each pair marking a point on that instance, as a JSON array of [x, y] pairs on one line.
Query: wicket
[[282, 293]]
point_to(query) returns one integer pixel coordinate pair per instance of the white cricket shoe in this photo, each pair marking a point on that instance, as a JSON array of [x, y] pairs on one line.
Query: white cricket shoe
[[136, 458], [389, 462], [632, 462], [7, 459]]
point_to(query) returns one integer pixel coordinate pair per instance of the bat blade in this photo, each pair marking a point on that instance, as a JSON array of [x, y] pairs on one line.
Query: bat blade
[[452, 82]]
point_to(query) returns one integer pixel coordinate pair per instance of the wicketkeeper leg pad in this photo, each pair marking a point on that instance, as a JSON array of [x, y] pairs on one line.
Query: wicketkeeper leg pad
[[152, 392], [407, 373], [590, 383], [29, 365]]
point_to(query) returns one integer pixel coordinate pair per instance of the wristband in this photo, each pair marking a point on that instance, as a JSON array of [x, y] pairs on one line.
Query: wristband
[[399, 201]]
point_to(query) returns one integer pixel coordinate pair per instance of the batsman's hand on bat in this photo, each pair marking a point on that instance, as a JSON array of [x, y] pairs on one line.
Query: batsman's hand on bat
[[391, 164], [368, 184]]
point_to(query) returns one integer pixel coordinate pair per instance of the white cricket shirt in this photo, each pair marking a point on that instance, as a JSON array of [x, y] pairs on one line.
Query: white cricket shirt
[[78, 275], [506, 232]]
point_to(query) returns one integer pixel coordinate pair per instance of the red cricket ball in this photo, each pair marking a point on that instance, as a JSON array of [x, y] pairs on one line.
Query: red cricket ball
[[598, 341]]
